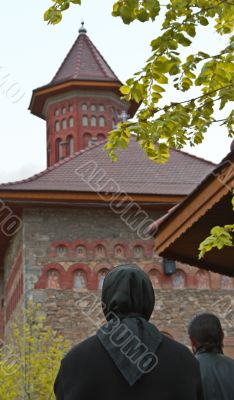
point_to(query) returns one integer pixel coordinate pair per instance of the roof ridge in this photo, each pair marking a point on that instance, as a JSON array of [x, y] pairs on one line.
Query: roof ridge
[[194, 156], [54, 166], [93, 48]]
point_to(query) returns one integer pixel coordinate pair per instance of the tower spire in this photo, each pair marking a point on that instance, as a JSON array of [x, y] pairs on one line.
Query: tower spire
[[82, 28]]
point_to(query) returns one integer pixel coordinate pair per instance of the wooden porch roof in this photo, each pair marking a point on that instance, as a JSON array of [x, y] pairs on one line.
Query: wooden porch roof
[[179, 233]]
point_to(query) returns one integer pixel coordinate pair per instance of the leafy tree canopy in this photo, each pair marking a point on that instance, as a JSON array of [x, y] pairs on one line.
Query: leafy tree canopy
[[174, 123]]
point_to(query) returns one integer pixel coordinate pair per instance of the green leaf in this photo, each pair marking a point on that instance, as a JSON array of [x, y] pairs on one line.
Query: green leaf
[[203, 21], [158, 88], [183, 40], [125, 89]]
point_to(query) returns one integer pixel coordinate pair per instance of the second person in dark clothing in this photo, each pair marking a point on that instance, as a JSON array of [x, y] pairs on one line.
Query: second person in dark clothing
[[217, 370]]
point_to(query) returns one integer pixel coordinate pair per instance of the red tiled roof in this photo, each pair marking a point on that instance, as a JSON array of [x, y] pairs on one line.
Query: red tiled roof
[[84, 62], [134, 173]]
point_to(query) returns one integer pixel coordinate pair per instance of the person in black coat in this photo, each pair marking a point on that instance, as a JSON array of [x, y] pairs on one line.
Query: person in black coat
[[217, 370], [128, 358]]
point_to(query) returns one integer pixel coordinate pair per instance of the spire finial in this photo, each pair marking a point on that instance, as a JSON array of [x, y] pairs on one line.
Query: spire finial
[[82, 28]]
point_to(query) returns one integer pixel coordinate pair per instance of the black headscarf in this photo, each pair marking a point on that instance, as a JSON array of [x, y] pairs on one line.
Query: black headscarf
[[130, 340]]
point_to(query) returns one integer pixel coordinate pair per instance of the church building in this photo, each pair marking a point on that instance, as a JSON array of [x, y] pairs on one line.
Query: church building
[[63, 229]]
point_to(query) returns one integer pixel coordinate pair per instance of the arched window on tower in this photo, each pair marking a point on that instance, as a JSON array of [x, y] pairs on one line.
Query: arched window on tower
[[70, 145], [85, 121], [101, 137], [86, 139], [101, 122], [71, 122], [93, 107], [93, 121], [57, 126], [58, 149], [84, 107], [56, 112], [70, 108], [101, 108], [64, 124]]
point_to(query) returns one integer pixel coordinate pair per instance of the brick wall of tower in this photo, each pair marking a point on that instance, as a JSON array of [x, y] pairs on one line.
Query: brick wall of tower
[[67, 117], [64, 248]]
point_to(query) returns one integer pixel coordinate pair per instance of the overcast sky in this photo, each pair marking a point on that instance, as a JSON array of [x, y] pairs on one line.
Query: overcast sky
[[32, 51]]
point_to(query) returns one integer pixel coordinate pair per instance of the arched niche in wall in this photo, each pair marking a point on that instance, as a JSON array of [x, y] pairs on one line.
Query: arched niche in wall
[[178, 280], [100, 251], [138, 251], [53, 279], [154, 276], [203, 279], [119, 251], [101, 276], [61, 250], [80, 252], [226, 282], [79, 279]]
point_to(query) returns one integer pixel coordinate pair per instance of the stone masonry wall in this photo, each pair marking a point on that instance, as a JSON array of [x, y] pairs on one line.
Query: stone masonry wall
[[77, 315], [67, 253]]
